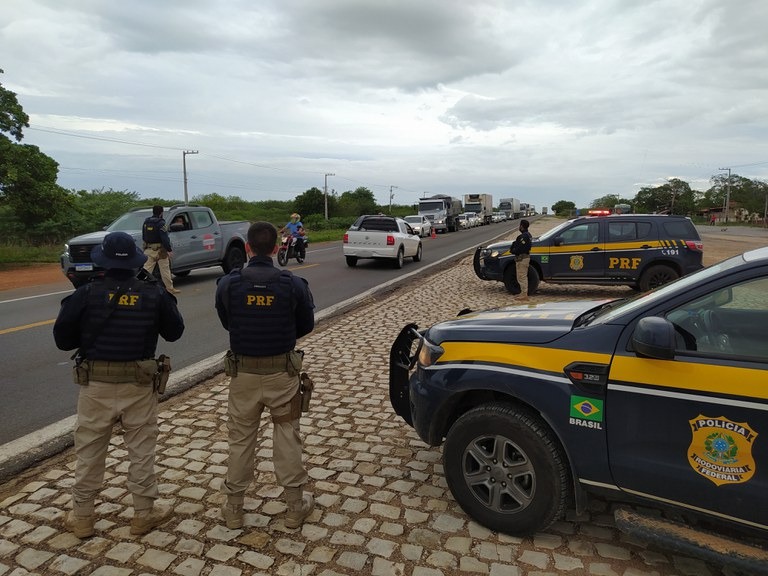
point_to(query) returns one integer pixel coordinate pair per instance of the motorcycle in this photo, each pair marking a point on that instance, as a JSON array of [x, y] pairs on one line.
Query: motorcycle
[[288, 250]]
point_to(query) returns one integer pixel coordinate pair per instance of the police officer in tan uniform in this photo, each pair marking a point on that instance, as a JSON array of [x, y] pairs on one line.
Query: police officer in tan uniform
[[265, 310], [114, 322], [157, 247], [521, 248]]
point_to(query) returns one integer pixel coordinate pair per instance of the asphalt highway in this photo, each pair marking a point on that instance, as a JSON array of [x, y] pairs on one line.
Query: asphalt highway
[[36, 383]]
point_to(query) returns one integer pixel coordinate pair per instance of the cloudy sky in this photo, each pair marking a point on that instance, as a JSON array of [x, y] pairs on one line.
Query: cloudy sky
[[541, 100]]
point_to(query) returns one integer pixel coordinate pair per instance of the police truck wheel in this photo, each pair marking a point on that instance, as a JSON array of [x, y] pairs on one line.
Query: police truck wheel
[[234, 259], [417, 257], [510, 280], [656, 276], [506, 469], [533, 280], [351, 261]]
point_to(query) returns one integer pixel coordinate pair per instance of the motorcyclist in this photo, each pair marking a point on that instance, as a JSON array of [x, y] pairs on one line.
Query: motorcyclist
[[296, 229]]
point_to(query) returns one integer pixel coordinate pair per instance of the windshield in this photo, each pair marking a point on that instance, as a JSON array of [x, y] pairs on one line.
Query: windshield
[[679, 285], [413, 219], [434, 205], [129, 221]]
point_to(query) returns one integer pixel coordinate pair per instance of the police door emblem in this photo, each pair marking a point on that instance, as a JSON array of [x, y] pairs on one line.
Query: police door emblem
[[577, 262], [721, 450]]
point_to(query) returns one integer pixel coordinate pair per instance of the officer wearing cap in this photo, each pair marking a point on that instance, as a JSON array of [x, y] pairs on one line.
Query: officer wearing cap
[[157, 247], [114, 322], [265, 310]]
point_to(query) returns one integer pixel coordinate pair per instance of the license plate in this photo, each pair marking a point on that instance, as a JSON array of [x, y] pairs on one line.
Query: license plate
[[84, 267]]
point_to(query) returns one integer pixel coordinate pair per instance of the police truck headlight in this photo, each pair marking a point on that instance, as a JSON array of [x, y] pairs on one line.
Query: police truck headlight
[[429, 353]]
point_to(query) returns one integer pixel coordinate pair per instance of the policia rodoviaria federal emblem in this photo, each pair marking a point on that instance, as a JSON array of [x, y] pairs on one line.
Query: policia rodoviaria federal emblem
[[576, 263], [721, 450]]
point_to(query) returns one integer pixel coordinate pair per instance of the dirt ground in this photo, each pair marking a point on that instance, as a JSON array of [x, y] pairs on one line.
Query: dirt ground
[[718, 245]]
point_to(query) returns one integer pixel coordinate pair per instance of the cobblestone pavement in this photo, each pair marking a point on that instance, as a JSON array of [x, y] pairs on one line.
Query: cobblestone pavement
[[383, 507]]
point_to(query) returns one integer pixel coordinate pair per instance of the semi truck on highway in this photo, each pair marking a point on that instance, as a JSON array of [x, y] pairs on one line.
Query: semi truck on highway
[[480, 204], [511, 207], [442, 211]]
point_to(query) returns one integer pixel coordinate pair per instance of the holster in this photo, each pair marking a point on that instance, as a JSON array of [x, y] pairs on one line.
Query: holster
[[230, 363], [80, 374], [154, 372], [305, 389]]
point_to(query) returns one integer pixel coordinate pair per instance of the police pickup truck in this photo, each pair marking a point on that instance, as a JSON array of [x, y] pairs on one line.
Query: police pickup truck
[[661, 399], [199, 240], [639, 250]]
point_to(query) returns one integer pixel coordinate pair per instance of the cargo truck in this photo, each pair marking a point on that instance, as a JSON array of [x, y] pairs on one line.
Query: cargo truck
[[480, 204], [511, 207], [443, 212]]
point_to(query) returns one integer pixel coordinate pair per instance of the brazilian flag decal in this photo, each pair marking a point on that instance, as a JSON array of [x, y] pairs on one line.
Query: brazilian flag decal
[[586, 408]]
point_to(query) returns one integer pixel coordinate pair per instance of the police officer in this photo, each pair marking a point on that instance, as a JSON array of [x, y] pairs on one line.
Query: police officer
[[521, 248], [157, 247], [114, 321], [265, 310]]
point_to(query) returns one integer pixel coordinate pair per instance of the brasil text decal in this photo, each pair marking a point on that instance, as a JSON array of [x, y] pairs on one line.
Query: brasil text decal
[[587, 412]]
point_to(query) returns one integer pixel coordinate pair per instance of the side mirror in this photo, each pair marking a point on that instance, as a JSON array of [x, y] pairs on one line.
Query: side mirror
[[654, 337]]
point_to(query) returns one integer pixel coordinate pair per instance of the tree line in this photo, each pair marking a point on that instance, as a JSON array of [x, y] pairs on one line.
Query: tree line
[[747, 198]]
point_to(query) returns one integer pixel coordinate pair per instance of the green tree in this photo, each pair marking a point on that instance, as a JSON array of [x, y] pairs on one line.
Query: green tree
[[27, 176], [361, 201], [745, 193], [563, 207], [609, 201], [313, 202]]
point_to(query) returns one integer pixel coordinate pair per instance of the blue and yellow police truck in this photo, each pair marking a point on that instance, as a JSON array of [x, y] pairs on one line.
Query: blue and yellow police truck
[[659, 400], [639, 250]]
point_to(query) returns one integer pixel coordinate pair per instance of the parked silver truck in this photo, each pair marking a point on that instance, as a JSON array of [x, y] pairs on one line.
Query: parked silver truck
[[199, 240], [480, 204]]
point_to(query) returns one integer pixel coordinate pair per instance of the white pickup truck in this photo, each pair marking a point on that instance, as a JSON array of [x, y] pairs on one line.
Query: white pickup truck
[[200, 241], [381, 237]]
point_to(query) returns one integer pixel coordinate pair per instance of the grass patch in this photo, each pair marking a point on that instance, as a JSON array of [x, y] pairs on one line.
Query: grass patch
[[14, 255]]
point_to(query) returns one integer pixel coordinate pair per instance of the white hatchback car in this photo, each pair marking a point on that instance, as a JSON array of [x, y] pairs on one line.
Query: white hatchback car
[[420, 224]]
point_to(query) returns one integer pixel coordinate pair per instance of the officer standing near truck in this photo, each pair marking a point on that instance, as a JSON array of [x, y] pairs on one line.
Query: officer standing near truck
[[521, 248], [157, 247], [265, 310], [114, 322]]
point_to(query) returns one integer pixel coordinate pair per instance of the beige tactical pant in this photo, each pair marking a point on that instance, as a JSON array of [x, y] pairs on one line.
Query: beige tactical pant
[[160, 257], [100, 406], [521, 269], [249, 394]]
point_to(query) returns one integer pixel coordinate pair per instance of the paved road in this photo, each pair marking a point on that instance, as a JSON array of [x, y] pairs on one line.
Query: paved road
[[36, 378], [383, 506]]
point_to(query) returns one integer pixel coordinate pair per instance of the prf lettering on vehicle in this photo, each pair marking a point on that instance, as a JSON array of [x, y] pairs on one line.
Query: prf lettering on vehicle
[[624, 263], [129, 300], [721, 450], [259, 300]]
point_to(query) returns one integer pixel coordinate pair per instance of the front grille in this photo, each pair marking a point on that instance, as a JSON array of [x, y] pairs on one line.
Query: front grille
[[80, 253]]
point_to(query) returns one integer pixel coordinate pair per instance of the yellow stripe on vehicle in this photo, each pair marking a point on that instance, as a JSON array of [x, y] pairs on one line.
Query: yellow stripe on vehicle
[[534, 357], [714, 379]]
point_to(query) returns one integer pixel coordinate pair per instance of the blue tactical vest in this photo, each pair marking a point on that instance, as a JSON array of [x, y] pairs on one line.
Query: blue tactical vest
[[131, 331], [262, 319], [150, 231]]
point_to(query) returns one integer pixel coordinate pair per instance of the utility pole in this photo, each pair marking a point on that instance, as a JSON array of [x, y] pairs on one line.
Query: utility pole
[[727, 193], [325, 193], [391, 197], [184, 164]]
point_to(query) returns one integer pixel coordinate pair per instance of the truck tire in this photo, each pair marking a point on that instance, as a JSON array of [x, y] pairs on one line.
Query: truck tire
[[656, 275], [351, 261], [506, 469], [234, 259]]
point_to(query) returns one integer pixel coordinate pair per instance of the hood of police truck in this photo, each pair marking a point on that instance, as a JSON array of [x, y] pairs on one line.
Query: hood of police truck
[[520, 324]]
